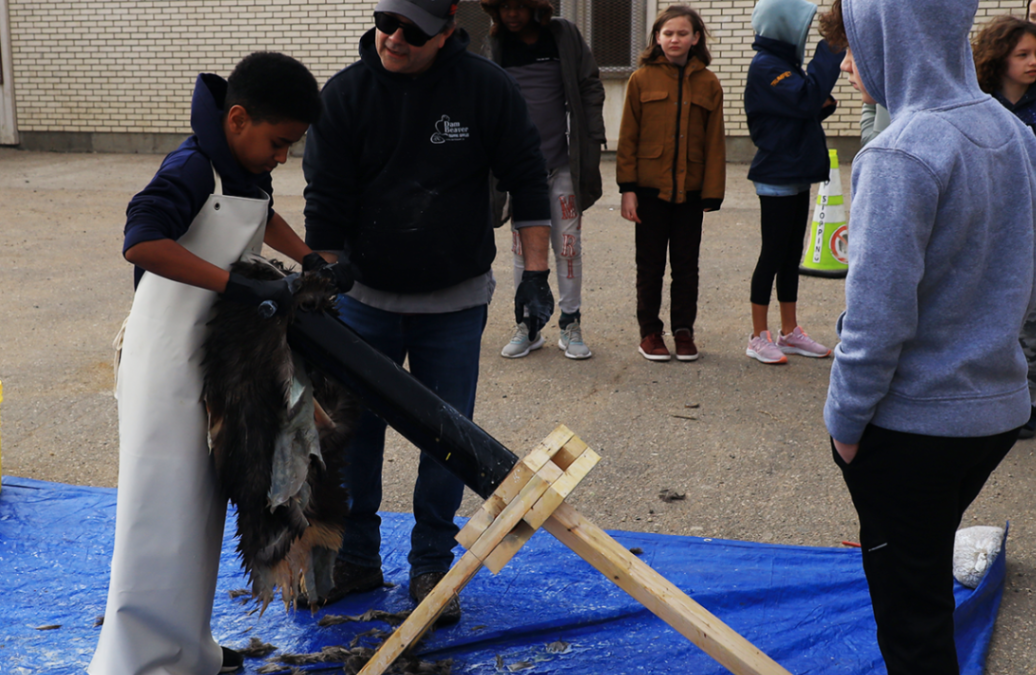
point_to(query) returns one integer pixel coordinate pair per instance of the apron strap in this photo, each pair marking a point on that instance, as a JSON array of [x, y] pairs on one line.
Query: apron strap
[[219, 182]]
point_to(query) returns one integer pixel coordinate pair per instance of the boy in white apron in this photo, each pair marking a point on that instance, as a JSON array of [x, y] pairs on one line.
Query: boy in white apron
[[208, 204]]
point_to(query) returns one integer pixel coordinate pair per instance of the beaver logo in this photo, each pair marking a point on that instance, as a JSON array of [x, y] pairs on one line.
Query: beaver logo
[[446, 130]]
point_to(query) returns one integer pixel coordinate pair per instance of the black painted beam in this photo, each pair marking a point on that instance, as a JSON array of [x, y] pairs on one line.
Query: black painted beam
[[409, 407]]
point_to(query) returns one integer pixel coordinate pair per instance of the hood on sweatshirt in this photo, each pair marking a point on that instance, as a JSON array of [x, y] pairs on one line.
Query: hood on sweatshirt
[[913, 55], [210, 91], [786, 21]]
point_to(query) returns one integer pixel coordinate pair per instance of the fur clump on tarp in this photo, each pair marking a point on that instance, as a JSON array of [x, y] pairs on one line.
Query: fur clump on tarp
[[355, 657], [278, 431]]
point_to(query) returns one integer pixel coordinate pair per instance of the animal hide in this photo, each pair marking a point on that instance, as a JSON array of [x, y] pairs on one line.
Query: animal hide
[[278, 430]]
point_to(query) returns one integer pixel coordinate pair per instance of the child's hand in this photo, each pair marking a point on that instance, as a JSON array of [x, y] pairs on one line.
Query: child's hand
[[255, 292], [629, 206]]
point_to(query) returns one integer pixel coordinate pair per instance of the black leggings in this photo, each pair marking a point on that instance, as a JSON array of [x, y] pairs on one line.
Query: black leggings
[[783, 221]]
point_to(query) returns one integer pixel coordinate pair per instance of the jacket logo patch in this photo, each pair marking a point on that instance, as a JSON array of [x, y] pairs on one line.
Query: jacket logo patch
[[445, 130], [783, 76]]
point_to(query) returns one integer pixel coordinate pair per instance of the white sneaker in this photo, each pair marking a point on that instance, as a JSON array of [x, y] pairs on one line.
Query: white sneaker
[[571, 341], [520, 345]]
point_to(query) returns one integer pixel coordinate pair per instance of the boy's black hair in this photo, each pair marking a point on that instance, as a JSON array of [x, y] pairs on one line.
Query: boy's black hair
[[274, 88]]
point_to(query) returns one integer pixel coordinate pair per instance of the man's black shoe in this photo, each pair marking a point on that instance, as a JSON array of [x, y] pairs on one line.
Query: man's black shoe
[[348, 579], [422, 585], [232, 661]]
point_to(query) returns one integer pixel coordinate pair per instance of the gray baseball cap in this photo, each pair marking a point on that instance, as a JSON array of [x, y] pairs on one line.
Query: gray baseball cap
[[430, 16]]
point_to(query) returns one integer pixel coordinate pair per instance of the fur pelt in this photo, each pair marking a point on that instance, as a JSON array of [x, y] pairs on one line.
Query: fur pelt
[[277, 431]]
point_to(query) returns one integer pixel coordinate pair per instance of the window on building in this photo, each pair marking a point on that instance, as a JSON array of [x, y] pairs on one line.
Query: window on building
[[614, 29], [473, 19]]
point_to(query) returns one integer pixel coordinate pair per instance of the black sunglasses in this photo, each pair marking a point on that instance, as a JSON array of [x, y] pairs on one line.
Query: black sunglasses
[[389, 24]]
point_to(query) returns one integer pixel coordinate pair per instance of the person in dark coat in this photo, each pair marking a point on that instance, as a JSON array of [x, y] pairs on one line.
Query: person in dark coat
[[396, 173], [562, 86]]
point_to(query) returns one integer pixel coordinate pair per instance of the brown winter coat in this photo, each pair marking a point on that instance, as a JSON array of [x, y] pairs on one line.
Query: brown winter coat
[[649, 138]]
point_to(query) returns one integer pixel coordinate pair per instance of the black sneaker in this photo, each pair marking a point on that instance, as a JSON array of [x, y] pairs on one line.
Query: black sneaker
[[422, 585], [1028, 429], [232, 661], [348, 579]]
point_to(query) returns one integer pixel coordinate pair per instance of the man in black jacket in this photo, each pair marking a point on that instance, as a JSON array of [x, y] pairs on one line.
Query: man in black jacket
[[562, 86], [397, 172]]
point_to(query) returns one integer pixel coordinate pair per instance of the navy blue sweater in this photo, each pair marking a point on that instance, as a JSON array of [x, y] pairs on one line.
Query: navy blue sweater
[[1024, 109], [166, 208], [785, 107], [397, 168]]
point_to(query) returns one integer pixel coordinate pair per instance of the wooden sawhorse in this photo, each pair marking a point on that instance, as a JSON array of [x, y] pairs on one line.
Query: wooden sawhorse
[[533, 496]]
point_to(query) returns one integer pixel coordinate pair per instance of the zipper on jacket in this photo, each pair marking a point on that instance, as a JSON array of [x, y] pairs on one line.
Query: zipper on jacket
[[676, 153]]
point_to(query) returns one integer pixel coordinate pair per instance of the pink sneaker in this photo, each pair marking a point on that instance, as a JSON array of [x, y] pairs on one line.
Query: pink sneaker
[[797, 342], [763, 349]]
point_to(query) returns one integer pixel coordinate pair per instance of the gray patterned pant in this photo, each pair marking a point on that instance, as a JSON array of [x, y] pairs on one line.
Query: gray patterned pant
[[1028, 340]]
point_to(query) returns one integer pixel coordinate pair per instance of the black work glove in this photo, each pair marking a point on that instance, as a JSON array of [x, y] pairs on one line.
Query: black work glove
[[533, 296], [337, 273], [255, 292]]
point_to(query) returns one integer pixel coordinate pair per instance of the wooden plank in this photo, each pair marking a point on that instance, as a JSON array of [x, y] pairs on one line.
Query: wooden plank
[[424, 615], [504, 510], [569, 452], [539, 457], [542, 509], [659, 595], [487, 513], [509, 517]]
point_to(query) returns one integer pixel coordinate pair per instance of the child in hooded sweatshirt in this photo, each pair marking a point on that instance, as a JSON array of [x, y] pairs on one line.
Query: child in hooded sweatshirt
[[208, 203], [785, 106], [671, 168], [1005, 61], [928, 386]]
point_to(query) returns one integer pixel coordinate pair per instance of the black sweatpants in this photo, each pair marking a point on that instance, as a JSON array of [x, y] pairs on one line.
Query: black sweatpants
[[910, 492], [783, 223], [676, 228]]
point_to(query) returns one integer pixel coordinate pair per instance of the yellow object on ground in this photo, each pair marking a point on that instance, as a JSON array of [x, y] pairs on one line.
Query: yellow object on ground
[[826, 253]]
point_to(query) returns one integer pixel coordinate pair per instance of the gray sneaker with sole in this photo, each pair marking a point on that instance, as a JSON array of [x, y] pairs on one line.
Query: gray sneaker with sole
[[520, 345], [571, 341]]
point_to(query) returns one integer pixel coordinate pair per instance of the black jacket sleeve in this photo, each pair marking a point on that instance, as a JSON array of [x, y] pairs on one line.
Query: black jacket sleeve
[[332, 189]]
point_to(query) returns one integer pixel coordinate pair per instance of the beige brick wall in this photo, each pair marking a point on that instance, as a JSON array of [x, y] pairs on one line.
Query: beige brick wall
[[129, 66], [111, 66], [729, 21]]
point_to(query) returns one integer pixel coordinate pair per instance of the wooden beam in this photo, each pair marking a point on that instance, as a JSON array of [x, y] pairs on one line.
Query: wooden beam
[[553, 497], [424, 616], [659, 595]]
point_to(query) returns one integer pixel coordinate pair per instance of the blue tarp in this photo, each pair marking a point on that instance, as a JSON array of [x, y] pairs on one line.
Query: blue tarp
[[806, 607]]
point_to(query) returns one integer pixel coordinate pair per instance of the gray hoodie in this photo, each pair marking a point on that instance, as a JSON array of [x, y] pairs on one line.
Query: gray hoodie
[[941, 237]]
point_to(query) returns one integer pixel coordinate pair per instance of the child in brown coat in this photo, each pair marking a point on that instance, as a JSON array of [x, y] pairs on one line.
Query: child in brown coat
[[671, 167]]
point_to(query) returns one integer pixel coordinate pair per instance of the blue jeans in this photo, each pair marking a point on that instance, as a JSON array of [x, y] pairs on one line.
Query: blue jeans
[[443, 350]]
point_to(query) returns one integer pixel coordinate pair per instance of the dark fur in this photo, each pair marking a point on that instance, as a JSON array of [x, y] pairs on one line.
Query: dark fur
[[248, 368]]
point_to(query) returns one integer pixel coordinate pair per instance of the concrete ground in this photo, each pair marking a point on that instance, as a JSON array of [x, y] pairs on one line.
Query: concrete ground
[[744, 441]]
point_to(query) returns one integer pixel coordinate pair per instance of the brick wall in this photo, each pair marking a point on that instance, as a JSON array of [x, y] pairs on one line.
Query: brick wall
[[117, 67], [129, 66], [729, 21]]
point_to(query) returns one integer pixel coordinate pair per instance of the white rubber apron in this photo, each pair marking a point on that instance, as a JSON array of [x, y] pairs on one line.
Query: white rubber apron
[[170, 515]]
